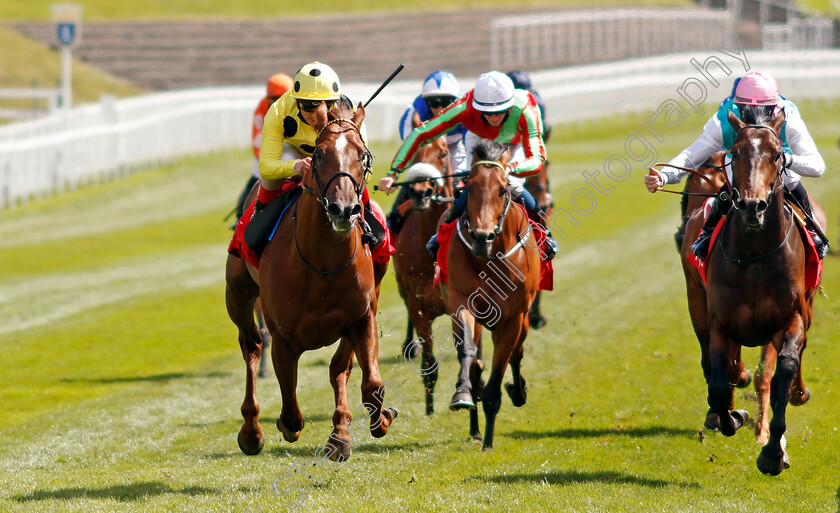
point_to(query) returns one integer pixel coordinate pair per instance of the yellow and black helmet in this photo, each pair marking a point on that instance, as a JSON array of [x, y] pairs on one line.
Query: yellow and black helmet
[[316, 81]]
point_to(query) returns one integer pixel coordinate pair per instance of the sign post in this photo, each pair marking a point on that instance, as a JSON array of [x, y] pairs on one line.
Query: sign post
[[67, 21]]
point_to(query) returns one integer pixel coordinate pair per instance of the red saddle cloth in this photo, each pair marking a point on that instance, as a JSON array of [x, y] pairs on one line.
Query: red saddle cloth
[[445, 236], [380, 254], [813, 264]]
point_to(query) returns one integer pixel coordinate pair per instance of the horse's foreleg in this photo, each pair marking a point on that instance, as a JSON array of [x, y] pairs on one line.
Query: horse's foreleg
[[290, 422], [339, 445], [429, 369], [720, 389], [536, 318], [773, 458], [266, 338], [240, 294], [518, 390], [365, 342], [505, 339], [462, 329], [476, 383], [763, 375]]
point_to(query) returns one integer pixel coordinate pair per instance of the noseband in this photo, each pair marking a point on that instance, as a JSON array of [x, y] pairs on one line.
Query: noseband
[[367, 163], [736, 194]]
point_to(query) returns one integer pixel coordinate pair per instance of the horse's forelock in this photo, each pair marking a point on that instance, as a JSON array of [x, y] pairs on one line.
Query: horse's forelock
[[488, 150]]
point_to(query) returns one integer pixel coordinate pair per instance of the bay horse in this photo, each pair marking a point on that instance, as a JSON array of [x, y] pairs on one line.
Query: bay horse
[[755, 293], [494, 247], [317, 284], [414, 268]]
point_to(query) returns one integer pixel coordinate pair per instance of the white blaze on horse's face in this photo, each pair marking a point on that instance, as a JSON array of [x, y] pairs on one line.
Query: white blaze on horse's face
[[344, 205]]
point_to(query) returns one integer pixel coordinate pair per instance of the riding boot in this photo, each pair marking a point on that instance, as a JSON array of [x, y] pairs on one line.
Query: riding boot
[[700, 247], [800, 197], [264, 197], [551, 245], [432, 246], [395, 218]]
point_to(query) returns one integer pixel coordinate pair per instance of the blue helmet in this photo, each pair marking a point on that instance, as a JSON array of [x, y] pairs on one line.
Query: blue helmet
[[441, 83]]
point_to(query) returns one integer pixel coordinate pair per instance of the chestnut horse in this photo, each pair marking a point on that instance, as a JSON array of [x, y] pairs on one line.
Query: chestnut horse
[[494, 272], [414, 268], [317, 284], [755, 293], [540, 189]]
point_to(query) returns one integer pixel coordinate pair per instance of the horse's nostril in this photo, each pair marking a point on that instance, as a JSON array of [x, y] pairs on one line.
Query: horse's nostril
[[761, 207], [357, 209], [740, 204], [334, 210], [491, 237]]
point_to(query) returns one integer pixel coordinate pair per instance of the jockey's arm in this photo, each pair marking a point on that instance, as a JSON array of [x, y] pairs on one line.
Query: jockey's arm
[[529, 125], [435, 127], [804, 157], [709, 142], [271, 147]]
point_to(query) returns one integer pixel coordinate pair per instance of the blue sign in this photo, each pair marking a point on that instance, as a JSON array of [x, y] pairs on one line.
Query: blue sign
[[66, 33]]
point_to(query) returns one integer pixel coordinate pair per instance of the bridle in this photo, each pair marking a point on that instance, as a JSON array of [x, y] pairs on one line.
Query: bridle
[[777, 183], [359, 187], [497, 229], [320, 193]]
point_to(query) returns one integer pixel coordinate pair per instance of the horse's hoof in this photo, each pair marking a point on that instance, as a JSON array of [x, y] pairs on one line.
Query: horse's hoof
[[536, 321], [771, 466], [739, 418], [518, 399], [800, 398], [477, 438], [339, 453], [462, 400], [391, 413], [712, 422], [288, 434], [252, 447], [744, 379]]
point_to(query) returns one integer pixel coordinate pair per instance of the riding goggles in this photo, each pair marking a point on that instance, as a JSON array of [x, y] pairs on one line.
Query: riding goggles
[[436, 102], [312, 105]]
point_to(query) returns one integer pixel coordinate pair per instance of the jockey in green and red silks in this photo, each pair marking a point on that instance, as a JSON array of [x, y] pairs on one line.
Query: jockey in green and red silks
[[493, 110]]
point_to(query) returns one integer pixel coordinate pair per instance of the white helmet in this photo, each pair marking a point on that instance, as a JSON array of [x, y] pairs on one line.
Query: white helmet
[[441, 83], [493, 92]]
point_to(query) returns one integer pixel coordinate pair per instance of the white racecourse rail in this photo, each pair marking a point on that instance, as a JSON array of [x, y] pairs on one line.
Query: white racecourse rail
[[114, 137]]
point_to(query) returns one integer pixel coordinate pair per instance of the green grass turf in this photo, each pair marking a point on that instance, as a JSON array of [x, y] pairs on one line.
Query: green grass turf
[[122, 378]]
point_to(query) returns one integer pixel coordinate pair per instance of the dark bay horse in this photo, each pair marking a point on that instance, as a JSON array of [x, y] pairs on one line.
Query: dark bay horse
[[414, 268], [494, 272], [755, 294], [317, 284]]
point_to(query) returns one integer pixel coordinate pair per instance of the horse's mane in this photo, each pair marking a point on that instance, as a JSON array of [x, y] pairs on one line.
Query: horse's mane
[[488, 150], [343, 108], [757, 114]]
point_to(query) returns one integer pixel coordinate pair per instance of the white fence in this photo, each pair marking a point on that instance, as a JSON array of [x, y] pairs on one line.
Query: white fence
[[561, 39], [113, 137], [47, 100]]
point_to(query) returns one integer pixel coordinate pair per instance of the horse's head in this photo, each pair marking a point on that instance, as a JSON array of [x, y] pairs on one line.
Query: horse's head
[[341, 163], [757, 164], [489, 200], [429, 163]]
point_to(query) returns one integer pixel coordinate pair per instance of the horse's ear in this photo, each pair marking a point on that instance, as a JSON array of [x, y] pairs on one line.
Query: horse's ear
[[359, 115], [778, 121], [415, 120], [503, 160], [735, 122]]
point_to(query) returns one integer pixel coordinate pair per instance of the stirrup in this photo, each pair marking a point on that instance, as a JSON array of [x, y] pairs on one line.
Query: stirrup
[[551, 246], [368, 236]]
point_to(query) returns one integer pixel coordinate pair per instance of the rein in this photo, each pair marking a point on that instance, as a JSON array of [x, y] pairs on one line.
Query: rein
[[696, 173], [742, 261]]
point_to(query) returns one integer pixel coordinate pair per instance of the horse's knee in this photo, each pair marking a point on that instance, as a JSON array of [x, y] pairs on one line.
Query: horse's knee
[[787, 366]]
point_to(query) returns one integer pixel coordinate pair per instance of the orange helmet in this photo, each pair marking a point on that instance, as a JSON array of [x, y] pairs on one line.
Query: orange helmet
[[278, 84]]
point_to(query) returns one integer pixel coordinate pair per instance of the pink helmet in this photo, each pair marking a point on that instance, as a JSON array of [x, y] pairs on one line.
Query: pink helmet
[[757, 88]]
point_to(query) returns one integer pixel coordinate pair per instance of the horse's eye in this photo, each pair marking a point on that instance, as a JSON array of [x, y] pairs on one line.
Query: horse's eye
[[502, 191], [777, 157], [318, 154]]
